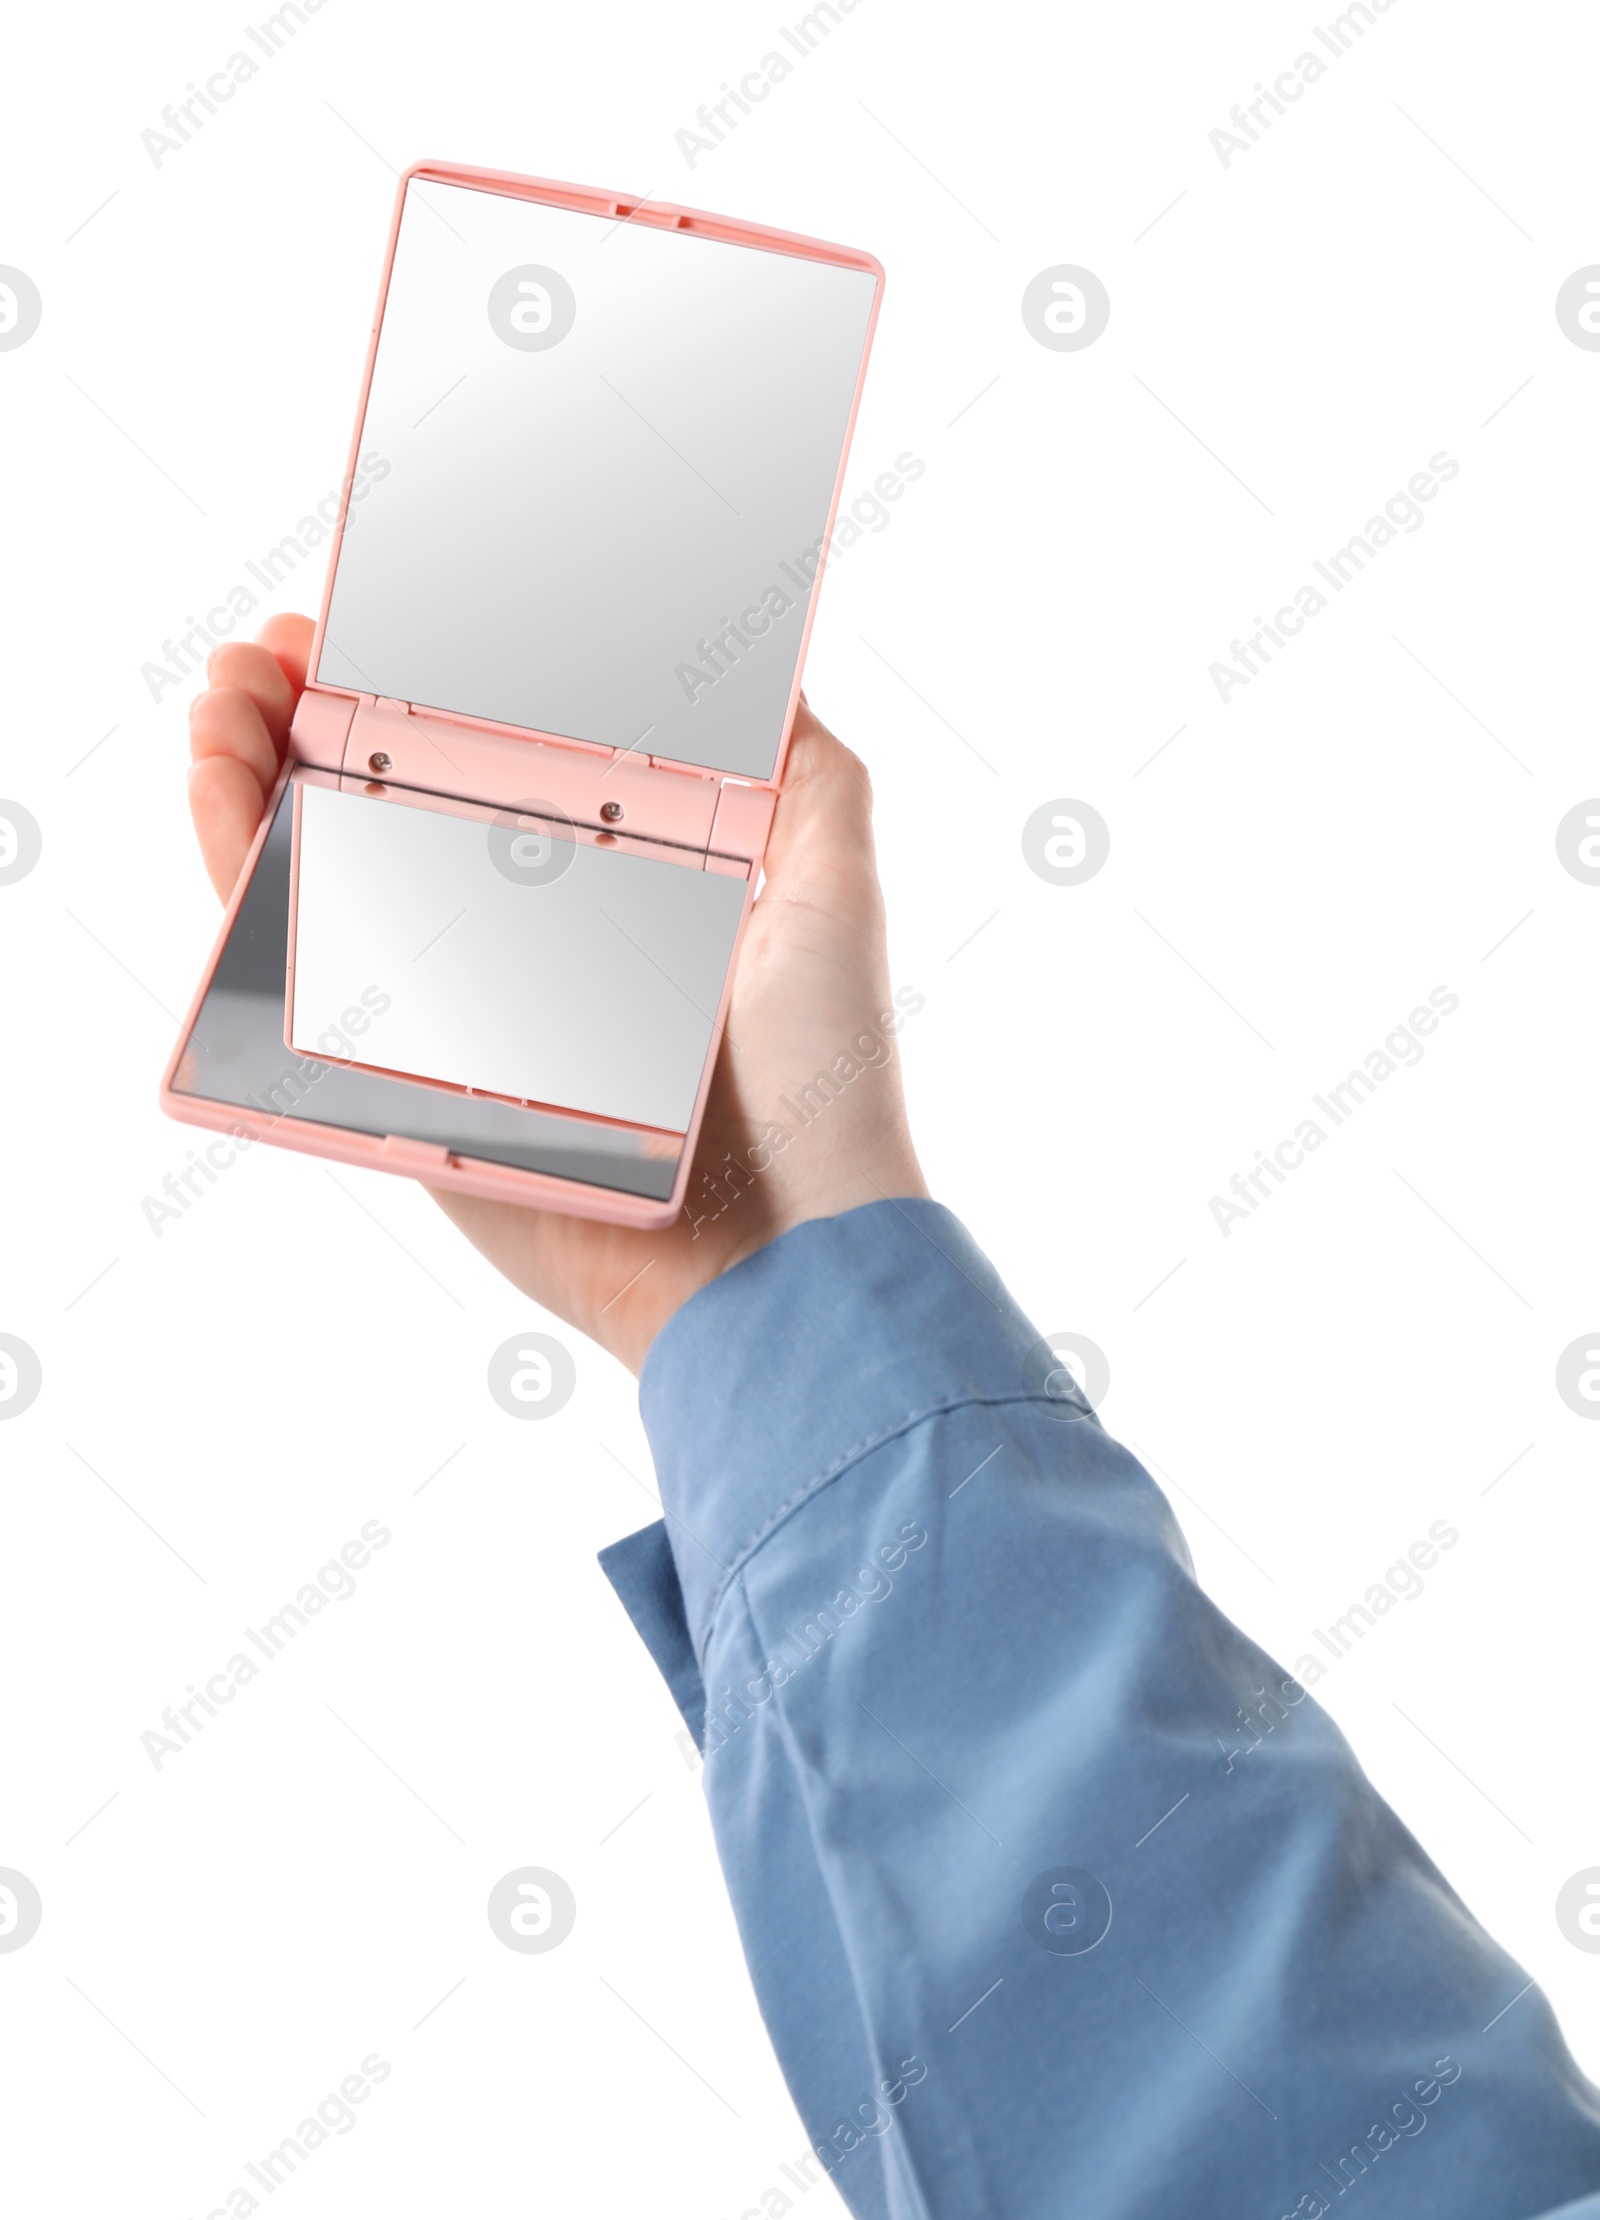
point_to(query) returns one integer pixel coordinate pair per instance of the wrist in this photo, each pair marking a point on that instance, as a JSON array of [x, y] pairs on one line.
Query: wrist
[[722, 1225]]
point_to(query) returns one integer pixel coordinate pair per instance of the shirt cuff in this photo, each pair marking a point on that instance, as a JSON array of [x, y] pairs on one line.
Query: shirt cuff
[[773, 1380], [641, 1570]]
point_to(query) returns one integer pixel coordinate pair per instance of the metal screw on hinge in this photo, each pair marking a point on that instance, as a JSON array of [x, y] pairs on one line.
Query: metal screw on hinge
[[380, 762], [611, 812]]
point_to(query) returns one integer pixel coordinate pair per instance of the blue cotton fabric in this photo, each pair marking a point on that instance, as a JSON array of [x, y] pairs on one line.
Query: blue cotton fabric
[[964, 1711]]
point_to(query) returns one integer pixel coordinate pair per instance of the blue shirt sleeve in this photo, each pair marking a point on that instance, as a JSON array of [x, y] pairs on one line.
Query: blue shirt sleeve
[[1059, 1895]]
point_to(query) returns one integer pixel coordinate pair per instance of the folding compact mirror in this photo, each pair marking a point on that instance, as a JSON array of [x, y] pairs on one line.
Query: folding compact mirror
[[487, 931]]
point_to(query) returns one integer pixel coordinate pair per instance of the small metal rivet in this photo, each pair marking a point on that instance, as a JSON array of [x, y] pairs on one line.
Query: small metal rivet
[[611, 812], [380, 762]]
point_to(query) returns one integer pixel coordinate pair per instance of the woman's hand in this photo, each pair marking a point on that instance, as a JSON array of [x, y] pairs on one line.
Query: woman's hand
[[811, 988]]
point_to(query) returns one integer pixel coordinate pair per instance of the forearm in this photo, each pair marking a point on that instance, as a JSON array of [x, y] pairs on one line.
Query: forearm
[[955, 1659]]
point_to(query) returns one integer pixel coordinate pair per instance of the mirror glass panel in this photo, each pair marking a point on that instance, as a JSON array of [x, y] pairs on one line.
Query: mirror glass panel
[[511, 955], [595, 472]]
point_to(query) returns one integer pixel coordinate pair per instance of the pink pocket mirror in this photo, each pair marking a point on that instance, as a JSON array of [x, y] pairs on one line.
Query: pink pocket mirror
[[487, 931]]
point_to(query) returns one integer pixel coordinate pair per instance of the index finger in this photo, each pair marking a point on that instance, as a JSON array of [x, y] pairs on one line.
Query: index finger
[[271, 670]]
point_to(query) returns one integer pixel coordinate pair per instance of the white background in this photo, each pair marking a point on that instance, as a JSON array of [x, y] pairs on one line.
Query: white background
[[224, 1405]]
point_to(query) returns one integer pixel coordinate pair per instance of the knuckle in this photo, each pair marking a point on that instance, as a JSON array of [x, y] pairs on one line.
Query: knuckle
[[856, 772]]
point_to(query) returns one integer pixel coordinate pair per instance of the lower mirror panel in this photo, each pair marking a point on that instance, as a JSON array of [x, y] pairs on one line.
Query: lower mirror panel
[[236, 1056], [505, 951]]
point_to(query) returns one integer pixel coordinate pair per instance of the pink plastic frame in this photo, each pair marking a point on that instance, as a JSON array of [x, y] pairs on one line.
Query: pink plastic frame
[[320, 712]]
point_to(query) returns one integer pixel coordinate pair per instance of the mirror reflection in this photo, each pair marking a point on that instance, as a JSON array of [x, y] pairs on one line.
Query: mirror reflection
[[506, 954]]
